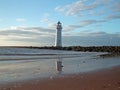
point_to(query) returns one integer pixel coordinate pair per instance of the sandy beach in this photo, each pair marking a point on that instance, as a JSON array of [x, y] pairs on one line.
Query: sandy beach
[[106, 79]]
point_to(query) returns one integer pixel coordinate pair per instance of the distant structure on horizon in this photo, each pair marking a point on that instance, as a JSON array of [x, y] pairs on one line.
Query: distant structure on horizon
[[58, 38]]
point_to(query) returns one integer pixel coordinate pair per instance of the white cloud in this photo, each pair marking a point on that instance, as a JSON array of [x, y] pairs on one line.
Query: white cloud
[[76, 8], [111, 17], [27, 32], [83, 23], [27, 35], [46, 15], [44, 36], [115, 7], [20, 19], [91, 41], [102, 10], [86, 7], [91, 38], [88, 33], [46, 20]]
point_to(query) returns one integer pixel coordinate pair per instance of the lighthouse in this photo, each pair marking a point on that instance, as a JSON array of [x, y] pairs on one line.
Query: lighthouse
[[58, 39]]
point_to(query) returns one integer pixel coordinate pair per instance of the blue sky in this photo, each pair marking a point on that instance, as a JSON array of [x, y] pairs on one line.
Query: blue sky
[[85, 22]]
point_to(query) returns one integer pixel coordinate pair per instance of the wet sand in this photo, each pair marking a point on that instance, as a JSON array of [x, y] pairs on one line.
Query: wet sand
[[106, 79]]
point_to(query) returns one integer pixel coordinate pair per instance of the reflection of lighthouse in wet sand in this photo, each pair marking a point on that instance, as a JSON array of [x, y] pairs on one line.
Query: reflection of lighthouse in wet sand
[[59, 66], [58, 39]]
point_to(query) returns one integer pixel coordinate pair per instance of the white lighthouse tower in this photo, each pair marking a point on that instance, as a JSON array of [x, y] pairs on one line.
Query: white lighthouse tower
[[58, 39]]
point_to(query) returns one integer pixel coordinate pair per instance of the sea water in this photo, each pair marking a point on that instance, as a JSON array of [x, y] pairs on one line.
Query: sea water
[[18, 64]]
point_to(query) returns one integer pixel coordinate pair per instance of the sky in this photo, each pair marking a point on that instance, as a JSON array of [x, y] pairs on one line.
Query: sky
[[84, 22]]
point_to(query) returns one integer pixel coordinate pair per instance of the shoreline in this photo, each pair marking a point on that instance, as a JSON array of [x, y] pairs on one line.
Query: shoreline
[[105, 79], [110, 49]]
